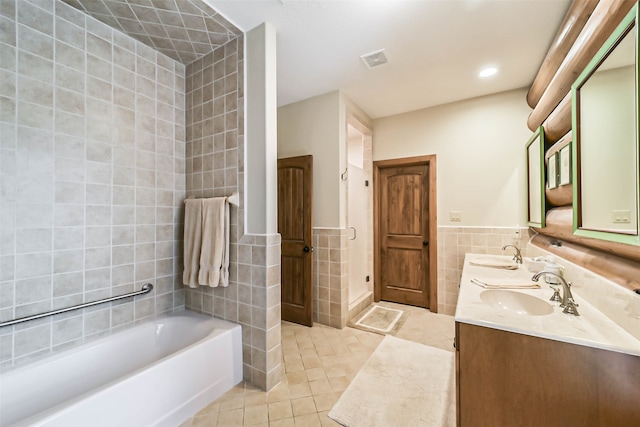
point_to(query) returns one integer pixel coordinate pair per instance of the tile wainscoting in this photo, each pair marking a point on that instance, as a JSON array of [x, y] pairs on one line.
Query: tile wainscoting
[[331, 284], [455, 242]]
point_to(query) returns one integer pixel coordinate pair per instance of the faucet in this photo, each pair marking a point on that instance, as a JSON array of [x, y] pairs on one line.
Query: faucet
[[517, 257], [568, 302]]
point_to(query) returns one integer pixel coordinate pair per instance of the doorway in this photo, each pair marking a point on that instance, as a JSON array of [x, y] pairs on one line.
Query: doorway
[[405, 231]]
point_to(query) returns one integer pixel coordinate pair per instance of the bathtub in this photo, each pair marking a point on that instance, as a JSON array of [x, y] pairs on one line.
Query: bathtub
[[157, 373]]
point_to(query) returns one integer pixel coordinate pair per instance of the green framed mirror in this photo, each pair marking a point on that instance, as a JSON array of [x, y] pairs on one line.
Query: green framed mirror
[[536, 200], [606, 150]]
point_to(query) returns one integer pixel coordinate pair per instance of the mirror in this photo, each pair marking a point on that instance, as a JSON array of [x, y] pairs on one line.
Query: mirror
[[535, 180], [605, 123]]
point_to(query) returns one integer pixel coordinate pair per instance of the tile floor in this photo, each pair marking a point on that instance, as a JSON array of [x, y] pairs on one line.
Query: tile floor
[[319, 364]]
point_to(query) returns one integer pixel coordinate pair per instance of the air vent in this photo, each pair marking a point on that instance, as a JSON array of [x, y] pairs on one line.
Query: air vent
[[374, 59]]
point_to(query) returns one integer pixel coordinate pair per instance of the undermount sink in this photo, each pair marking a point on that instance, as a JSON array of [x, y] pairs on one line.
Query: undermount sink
[[516, 302]]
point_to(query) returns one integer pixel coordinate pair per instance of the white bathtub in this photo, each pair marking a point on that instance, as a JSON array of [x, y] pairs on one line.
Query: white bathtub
[[157, 373]]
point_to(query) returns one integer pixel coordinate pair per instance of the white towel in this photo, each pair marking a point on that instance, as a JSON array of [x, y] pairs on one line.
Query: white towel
[[214, 255], [507, 265], [192, 241], [206, 242], [506, 284]]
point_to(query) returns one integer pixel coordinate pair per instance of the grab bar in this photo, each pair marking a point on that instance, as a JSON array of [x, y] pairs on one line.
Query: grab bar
[[146, 288]]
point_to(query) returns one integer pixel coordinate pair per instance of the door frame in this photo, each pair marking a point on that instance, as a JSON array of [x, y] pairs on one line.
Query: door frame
[[429, 160]]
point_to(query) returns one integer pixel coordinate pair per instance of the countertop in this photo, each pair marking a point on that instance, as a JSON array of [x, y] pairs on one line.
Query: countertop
[[591, 328]]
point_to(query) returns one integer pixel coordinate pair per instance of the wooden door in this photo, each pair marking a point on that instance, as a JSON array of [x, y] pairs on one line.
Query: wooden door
[[405, 244], [295, 225]]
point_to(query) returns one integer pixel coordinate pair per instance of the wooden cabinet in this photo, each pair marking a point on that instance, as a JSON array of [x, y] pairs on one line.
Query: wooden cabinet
[[510, 379]]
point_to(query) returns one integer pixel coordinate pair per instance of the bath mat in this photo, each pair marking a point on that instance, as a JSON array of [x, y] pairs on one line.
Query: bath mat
[[379, 319], [402, 384]]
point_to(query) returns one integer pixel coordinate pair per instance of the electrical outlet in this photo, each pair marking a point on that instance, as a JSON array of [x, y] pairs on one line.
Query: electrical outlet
[[455, 216], [621, 217]]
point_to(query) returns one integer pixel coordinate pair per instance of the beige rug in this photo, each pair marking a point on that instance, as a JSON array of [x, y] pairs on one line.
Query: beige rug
[[402, 384], [379, 319]]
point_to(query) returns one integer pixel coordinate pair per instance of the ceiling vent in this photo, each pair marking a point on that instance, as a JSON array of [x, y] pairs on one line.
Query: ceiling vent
[[374, 59]]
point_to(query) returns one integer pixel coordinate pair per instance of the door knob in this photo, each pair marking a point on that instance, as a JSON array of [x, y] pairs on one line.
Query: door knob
[[307, 249], [425, 243]]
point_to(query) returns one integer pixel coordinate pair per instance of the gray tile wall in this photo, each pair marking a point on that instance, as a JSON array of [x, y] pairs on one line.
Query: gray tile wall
[[214, 168], [92, 161]]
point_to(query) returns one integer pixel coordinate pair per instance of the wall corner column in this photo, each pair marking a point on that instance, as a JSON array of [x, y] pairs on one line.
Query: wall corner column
[[261, 151]]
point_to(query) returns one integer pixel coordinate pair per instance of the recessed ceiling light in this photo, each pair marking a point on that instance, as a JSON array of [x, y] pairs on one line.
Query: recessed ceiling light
[[487, 72]]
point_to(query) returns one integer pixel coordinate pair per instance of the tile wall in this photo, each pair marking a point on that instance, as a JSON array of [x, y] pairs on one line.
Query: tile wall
[[92, 160], [215, 168], [331, 284], [454, 242]]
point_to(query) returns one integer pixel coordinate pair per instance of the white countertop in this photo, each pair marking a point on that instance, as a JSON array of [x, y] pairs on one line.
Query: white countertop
[[591, 328]]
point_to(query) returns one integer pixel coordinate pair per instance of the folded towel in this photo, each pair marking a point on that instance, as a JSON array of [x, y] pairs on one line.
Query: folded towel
[[504, 264], [192, 241], [214, 255], [506, 284]]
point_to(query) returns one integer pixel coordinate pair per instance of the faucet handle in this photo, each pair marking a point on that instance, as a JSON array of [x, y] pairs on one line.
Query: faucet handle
[[570, 308], [556, 295]]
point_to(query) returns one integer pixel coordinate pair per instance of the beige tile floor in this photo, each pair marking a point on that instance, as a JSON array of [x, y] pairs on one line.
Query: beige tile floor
[[319, 364]]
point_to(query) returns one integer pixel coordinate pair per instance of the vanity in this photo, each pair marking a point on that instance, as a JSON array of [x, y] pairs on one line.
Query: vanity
[[521, 361]]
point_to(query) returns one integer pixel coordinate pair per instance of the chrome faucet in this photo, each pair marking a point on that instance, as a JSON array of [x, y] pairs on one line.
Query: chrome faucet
[[517, 257], [568, 302]]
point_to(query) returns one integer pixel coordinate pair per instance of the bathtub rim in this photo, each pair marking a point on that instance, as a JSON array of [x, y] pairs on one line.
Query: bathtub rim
[[185, 409], [90, 342]]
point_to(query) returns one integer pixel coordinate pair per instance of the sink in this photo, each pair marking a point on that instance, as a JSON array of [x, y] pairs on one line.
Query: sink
[[516, 302]]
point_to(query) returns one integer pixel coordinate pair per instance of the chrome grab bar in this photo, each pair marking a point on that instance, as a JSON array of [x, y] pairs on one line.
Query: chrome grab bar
[[146, 288]]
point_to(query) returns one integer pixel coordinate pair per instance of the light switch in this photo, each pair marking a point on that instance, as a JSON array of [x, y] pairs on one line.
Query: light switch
[[455, 216], [621, 217]]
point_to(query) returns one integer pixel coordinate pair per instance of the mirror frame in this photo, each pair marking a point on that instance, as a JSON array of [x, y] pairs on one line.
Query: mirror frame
[[565, 178], [553, 171], [630, 20], [538, 135]]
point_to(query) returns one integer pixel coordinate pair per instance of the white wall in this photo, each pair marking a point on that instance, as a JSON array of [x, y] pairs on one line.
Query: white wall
[[261, 206], [480, 149], [312, 127]]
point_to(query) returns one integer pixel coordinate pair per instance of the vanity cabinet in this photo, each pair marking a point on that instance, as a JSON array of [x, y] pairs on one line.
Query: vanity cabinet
[[511, 379]]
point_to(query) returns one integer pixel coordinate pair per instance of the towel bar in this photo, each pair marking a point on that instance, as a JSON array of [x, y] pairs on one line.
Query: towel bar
[[233, 199], [144, 290]]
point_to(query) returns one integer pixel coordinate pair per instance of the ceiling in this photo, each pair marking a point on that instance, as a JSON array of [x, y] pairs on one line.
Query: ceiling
[[435, 48], [184, 30]]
